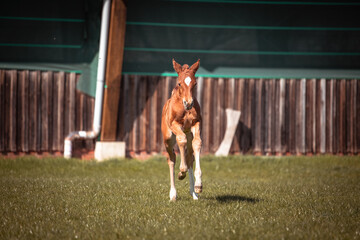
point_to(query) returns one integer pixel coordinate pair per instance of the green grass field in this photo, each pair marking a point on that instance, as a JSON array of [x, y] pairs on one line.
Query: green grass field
[[244, 197]]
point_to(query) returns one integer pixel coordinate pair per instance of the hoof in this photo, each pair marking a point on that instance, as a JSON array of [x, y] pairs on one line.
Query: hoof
[[195, 196], [181, 175], [198, 189], [172, 199]]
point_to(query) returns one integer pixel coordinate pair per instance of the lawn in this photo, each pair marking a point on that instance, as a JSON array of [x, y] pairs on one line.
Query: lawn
[[244, 197]]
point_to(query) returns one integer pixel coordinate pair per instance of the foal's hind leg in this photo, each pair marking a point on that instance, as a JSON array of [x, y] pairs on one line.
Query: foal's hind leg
[[190, 164]]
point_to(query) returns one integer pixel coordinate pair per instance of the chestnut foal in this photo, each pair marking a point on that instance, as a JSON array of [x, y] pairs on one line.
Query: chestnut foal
[[181, 121]]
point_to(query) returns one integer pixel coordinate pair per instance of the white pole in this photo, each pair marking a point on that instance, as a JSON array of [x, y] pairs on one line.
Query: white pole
[[101, 65], [104, 32]]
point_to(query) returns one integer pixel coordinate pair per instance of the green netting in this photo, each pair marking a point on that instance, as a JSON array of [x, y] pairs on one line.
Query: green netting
[[260, 38], [58, 35], [232, 38]]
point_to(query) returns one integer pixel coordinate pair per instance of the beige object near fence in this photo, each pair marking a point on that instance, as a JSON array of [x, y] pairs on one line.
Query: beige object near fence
[[232, 117]]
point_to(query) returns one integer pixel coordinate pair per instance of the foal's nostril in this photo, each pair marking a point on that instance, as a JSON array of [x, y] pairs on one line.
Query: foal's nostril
[[190, 105]]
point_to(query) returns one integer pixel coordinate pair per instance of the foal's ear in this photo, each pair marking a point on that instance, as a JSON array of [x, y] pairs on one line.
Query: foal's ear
[[195, 66], [176, 66]]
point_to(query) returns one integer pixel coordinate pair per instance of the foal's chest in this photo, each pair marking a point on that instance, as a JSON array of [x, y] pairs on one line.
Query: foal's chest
[[188, 120]]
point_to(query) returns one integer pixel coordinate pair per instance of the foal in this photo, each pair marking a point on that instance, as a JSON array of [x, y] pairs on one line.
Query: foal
[[181, 122]]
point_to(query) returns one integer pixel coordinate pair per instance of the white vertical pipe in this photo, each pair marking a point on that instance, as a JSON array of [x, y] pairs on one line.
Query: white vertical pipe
[[104, 32]]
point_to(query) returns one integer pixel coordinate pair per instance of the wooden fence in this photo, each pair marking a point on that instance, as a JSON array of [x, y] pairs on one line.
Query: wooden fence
[[38, 109], [296, 116], [278, 116]]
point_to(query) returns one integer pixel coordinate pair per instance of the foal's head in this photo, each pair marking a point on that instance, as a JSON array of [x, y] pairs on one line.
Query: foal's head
[[186, 82]]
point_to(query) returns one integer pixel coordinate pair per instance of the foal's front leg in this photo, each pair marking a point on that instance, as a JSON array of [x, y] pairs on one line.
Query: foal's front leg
[[190, 164], [196, 144], [181, 141], [171, 159]]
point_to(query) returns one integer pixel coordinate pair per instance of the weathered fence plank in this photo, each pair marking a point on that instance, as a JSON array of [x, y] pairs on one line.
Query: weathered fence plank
[[58, 124], [240, 106], [342, 115], [265, 139], [235, 144], [12, 78], [258, 145], [292, 116], [336, 117], [23, 111], [39, 123], [205, 109], [46, 104], [2, 110], [69, 108], [143, 108], [281, 122], [33, 108], [80, 102], [163, 97], [329, 114], [222, 106], [215, 115], [355, 117], [251, 113], [358, 117], [90, 144], [246, 134], [123, 99], [276, 132], [314, 114], [309, 116], [322, 115], [153, 114], [318, 116], [6, 111], [349, 117], [159, 89], [136, 113], [300, 116], [148, 116]]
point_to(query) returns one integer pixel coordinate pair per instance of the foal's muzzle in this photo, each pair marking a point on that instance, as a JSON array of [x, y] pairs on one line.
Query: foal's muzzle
[[188, 105]]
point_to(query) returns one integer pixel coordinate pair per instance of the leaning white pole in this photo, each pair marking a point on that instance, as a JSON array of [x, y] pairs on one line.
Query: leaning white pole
[[104, 32], [232, 118], [101, 65]]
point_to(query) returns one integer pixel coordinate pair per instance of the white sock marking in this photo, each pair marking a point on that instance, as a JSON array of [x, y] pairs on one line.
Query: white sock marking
[[172, 194], [191, 181]]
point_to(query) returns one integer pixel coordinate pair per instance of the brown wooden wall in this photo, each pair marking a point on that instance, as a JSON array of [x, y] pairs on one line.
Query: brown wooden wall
[[38, 109], [297, 116]]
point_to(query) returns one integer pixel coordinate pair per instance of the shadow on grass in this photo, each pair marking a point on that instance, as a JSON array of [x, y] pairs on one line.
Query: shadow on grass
[[235, 198]]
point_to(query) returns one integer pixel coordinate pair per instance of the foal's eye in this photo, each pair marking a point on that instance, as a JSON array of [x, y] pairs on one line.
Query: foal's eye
[[179, 84]]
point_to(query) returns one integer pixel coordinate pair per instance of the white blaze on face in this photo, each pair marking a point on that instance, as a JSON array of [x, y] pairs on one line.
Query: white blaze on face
[[187, 81]]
